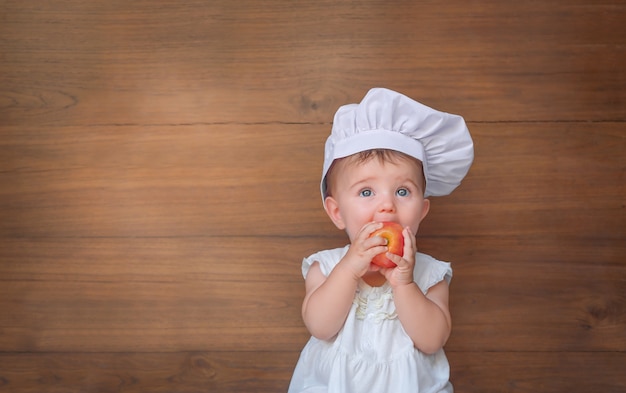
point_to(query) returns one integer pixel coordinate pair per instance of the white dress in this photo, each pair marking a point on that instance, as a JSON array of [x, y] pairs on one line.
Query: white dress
[[372, 353]]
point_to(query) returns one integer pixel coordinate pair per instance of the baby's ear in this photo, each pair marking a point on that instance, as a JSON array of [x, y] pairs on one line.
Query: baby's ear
[[332, 209], [425, 208]]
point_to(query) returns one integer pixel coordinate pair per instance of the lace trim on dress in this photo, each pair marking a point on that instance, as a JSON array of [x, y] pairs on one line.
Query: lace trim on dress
[[373, 307]]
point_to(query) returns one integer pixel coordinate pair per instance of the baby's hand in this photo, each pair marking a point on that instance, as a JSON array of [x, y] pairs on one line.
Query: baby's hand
[[403, 273], [363, 248]]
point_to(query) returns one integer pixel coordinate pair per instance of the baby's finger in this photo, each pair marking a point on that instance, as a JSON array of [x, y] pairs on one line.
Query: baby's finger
[[369, 228], [397, 259], [410, 243]]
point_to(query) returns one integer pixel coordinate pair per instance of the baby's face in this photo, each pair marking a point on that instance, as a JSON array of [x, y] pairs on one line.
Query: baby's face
[[378, 191]]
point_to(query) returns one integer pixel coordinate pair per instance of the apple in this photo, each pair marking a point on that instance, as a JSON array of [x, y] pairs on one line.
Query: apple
[[391, 231]]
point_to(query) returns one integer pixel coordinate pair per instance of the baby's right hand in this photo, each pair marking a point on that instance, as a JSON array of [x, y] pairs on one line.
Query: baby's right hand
[[363, 248]]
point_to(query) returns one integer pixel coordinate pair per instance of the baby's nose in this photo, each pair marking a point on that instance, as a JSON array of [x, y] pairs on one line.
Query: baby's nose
[[386, 204]]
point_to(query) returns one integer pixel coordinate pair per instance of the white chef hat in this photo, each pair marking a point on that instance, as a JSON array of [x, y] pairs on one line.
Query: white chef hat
[[385, 119]]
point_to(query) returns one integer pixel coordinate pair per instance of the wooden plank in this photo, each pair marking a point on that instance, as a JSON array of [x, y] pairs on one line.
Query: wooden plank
[[150, 294], [527, 372], [251, 179], [212, 62], [147, 372], [481, 372], [175, 260], [182, 294], [532, 303]]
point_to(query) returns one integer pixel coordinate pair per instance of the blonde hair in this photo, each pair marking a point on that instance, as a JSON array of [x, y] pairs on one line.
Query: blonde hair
[[383, 156]]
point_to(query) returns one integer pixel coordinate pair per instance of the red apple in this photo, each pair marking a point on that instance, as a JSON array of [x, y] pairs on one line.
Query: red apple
[[391, 231]]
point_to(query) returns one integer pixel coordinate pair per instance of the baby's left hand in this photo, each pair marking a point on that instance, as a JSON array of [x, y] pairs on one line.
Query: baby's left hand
[[402, 274]]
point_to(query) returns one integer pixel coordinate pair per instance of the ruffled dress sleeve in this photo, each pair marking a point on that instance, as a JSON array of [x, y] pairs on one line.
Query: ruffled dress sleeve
[[327, 259], [430, 271]]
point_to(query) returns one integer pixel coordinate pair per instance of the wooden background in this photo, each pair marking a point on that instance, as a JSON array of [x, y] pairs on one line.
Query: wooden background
[[159, 169]]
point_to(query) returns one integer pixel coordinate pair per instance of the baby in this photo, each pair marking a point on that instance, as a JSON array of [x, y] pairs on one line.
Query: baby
[[381, 329]]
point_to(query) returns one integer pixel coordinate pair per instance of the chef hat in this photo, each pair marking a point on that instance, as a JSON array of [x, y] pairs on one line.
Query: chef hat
[[385, 119]]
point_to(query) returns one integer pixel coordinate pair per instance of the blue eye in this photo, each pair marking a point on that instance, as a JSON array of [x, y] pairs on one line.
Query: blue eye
[[402, 192], [365, 193]]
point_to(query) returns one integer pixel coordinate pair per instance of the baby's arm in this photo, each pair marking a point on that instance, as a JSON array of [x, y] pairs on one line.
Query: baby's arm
[[425, 318], [328, 300]]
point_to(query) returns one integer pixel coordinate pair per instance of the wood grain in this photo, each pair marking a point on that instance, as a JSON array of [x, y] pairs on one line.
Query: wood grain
[[159, 186], [251, 179], [221, 294], [195, 372], [528, 371], [77, 63], [147, 372]]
